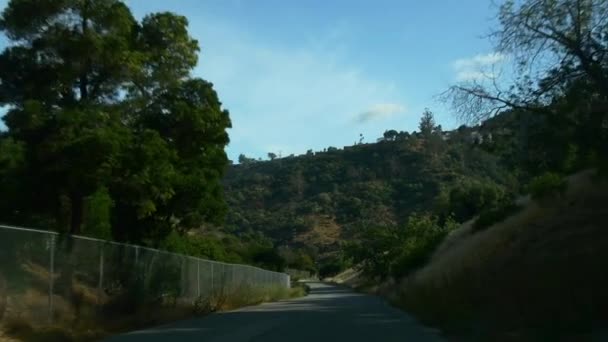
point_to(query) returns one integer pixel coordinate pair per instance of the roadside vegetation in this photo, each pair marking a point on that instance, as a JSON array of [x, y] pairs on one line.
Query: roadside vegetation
[[524, 259], [108, 134], [493, 230], [534, 276], [113, 318]]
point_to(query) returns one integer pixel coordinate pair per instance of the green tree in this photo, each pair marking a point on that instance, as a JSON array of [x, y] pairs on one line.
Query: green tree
[[469, 198], [397, 250], [97, 215], [390, 135], [99, 100], [272, 156], [11, 171], [403, 135], [243, 159], [427, 123]]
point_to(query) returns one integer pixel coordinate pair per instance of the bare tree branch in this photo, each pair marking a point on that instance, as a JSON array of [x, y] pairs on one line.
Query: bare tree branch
[[553, 44]]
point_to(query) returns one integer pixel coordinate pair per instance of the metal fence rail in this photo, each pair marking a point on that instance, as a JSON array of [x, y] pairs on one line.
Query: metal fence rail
[[46, 277]]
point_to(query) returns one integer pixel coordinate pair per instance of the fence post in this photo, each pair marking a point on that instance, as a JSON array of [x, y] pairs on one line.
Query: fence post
[[182, 271], [232, 278], [51, 278], [100, 284], [198, 278], [212, 293]]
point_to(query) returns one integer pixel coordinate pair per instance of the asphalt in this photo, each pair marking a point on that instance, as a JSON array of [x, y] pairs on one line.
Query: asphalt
[[328, 313]]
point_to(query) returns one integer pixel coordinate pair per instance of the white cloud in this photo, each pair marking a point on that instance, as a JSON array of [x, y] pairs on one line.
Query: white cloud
[[479, 61], [478, 67], [380, 111]]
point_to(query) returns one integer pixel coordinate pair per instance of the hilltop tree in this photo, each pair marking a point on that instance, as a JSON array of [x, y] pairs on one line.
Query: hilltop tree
[[98, 101], [402, 135], [390, 135], [272, 156], [427, 123], [243, 159]]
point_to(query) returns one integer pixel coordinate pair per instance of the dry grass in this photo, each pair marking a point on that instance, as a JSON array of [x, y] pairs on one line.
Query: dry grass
[[325, 232], [350, 277], [249, 296], [80, 313], [540, 272], [32, 304], [18, 326]]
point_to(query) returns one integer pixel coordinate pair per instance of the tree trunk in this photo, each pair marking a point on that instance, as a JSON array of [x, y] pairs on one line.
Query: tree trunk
[[77, 204], [3, 296], [84, 80]]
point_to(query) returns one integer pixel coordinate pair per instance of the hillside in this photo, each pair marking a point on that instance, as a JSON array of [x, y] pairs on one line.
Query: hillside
[[522, 278], [316, 200]]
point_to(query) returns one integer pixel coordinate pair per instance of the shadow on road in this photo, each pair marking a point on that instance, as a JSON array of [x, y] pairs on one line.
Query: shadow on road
[[328, 313]]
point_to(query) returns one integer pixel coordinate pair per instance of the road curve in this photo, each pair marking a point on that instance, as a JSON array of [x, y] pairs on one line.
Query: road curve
[[328, 313]]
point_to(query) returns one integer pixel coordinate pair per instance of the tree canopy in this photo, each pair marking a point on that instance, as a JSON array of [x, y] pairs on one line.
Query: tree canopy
[[427, 123], [98, 100]]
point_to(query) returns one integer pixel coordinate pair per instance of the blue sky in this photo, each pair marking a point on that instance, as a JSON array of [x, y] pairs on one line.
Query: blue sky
[[298, 75]]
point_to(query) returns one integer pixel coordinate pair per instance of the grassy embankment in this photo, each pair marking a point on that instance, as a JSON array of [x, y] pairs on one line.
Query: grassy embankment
[[81, 317], [538, 275]]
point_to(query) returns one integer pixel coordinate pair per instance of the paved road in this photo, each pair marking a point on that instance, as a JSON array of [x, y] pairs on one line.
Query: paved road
[[328, 313]]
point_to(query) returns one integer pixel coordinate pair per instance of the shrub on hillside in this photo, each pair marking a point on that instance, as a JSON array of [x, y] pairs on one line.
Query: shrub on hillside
[[547, 184], [491, 216], [332, 267], [424, 233], [268, 258], [468, 198], [398, 250]]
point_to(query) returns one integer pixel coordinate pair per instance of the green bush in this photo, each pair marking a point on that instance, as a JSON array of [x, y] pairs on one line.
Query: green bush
[[547, 184], [468, 198], [301, 261], [268, 258], [332, 267], [98, 211], [398, 250], [424, 234], [491, 216]]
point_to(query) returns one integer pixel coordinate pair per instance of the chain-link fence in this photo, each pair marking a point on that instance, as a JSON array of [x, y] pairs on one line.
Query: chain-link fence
[[47, 277]]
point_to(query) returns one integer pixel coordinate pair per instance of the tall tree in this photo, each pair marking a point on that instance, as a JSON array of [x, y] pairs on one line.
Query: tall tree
[[98, 100], [427, 123]]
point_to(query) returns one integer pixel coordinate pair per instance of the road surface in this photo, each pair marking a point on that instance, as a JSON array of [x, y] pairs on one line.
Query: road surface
[[328, 313]]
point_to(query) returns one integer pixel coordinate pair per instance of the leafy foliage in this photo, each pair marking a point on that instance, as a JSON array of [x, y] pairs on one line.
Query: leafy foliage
[[547, 184], [427, 123], [312, 202], [470, 197], [398, 250], [494, 215], [106, 127]]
